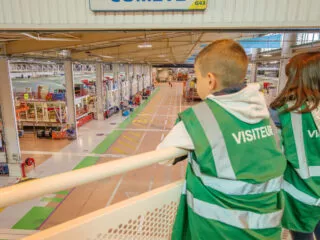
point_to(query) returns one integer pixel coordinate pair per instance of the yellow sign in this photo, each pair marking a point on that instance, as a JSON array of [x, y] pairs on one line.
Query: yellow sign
[[198, 5], [26, 96]]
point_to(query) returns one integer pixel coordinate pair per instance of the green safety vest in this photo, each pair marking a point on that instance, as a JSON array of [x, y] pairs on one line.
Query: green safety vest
[[301, 140], [233, 179]]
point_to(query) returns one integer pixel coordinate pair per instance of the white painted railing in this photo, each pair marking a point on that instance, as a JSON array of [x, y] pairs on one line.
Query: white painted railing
[[39, 187], [149, 216]]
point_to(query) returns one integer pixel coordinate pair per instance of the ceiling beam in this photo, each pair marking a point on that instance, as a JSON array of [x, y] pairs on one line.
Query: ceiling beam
[[32, 45]]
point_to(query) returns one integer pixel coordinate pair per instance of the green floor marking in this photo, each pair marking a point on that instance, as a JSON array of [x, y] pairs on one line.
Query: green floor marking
[[87, 162], [113, 136], [66, 192], [34, 218], [54, 199], [37, 215]]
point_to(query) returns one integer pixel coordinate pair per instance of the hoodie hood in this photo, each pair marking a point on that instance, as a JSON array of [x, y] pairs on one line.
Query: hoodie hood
[[316, 117], [248, 105]]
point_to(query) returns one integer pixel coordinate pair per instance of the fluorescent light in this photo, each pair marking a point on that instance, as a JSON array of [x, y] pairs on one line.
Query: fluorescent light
[[105, 56], [145, 45], [162, 55], [267, 55]]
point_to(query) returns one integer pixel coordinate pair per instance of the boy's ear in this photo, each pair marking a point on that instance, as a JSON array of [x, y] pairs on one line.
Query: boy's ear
[[212, 81]]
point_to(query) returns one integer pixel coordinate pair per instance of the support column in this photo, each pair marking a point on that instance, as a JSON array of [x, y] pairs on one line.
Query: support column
[[71, 108], [128, 78], [289, 40], [137, 77], [143, 76], [254, 66], [150, 74], [10, 129], [99, 91], [115, 70], [134, 75]]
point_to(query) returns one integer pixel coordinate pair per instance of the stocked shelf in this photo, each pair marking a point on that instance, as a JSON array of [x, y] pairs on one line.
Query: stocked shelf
[[41, 112]]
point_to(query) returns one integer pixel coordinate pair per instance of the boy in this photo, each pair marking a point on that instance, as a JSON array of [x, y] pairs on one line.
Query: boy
[[235, 168]]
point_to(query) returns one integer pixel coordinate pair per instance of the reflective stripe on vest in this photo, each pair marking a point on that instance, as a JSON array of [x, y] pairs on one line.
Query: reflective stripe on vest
[[237, 218], [299, 195], [219, 149], [304, 170], [236, 187]]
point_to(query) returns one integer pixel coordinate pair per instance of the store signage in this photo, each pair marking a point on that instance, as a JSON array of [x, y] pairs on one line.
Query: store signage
[[269, 41], [147, 5]]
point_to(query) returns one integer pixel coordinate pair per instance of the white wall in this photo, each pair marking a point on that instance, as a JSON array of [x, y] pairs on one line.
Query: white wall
[[75, 14]]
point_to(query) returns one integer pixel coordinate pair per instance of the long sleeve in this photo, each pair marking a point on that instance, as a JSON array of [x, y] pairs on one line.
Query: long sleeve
[[177, 137]]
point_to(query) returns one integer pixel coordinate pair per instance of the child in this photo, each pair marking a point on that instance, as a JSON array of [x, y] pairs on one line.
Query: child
[[299, 118], [235, 169]]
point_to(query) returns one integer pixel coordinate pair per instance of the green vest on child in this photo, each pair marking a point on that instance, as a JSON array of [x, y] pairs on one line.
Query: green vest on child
[[233, 178], [301, 140]]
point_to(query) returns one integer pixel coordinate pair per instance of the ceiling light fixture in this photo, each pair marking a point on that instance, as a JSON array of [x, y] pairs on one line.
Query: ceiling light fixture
[[145, 45], [267, 55], [104, 56]]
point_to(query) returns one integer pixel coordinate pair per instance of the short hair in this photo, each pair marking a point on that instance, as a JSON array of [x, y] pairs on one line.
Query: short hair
[[226, 59]]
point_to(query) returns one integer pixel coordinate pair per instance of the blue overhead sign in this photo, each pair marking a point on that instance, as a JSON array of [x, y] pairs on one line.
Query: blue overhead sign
[[147, 5], [268, 41], [272, 41]]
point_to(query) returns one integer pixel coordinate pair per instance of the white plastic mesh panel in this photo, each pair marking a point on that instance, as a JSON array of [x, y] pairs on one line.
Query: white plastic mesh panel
[[149, 216], [154, 225]]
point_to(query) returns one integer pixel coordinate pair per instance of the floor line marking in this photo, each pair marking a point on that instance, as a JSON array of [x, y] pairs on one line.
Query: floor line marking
[[136, 134], [161, 115], [143, 130], [162, 136], [135, 152], [73, 154], [115, 191], [126, 144], [118, 150], [129, 138]]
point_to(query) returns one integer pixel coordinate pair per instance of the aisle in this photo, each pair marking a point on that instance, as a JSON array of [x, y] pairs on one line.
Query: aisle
[[145, 132]]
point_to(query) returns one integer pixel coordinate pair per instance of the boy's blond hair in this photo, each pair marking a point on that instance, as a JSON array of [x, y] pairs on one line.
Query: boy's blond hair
[[226, 59]]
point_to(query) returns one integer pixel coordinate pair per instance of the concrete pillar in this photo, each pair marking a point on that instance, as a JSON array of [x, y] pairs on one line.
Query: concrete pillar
[[134, 75], [254, 66], [71, 108], [137, 76], [115, 70], [10, 130], [143, 76], [99, 91], [289, 40], [150, 75], [128, 78]]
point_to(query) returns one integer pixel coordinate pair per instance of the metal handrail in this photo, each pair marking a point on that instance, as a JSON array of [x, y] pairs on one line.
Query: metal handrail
[[55, 183]]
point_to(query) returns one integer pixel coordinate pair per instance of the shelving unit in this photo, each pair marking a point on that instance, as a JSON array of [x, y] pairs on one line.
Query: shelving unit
[[41, 113]]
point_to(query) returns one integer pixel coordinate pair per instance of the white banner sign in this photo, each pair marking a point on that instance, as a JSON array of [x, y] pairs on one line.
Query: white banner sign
[[146, 5]]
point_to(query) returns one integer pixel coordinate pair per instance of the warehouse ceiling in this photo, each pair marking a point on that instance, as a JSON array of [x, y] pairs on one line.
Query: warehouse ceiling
[[127, 47]]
